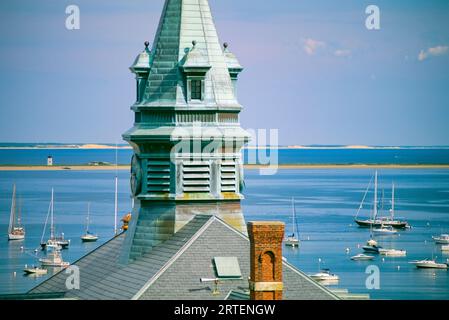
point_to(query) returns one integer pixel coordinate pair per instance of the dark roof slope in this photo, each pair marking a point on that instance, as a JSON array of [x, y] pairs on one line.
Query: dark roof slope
[[102, 276], [180, 279], [173, 269]]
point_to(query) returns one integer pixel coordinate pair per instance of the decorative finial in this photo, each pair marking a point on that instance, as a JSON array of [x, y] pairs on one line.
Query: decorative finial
[[147, 44], [225, 45], [194, 42]]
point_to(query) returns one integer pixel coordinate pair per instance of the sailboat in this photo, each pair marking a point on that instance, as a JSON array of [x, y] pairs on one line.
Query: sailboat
[[15, 230], [54, 241], [293, 240], [88, 236], [442, 239], [376, 221]]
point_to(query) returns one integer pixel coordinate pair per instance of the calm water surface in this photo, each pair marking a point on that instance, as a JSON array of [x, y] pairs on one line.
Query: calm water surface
[[326, 202]]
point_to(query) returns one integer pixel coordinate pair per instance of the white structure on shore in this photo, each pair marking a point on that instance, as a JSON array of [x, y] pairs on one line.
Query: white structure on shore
[[49, 161]]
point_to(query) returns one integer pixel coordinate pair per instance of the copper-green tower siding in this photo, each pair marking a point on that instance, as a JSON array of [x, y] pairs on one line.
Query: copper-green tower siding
[[176, 172]]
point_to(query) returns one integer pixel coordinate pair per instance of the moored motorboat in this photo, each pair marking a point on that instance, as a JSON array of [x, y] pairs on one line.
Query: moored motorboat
[[441, 239], [445, 248], [54, 259], [429, 264], [325, 275], [393, 252], [362, 257], [371, 246], [385, 230], [35, 271]]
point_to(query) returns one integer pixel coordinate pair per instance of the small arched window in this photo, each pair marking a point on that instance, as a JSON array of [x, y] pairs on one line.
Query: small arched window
[[267, 261]]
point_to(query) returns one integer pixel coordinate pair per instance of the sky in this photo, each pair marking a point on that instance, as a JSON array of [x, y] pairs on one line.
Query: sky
[[312, 69]]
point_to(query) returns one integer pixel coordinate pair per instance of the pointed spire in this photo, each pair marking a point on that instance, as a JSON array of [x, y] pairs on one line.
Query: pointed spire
[[182, 22]]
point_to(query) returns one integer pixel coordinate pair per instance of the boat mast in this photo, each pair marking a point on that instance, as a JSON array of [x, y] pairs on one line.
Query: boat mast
[[46, 222], [52, 226], [375, 197], [13, 210], [392, 203], [116, 191], [295, 226], [364, 197], [19, 220], [88, 216]]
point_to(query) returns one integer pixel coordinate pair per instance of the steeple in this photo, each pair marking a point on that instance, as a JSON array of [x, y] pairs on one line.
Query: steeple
[[184, 22], [186, 137]]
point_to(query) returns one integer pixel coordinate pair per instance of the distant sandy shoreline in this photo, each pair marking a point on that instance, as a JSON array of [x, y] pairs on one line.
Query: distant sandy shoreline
[[68, 147], [249, 167], [94, 146]]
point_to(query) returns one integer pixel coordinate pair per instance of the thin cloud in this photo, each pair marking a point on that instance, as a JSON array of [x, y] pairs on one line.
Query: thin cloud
[[342, 53], [311, 46], [433, 52]]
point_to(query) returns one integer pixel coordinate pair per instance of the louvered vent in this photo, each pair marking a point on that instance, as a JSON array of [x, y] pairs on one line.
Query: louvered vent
[[228, 177], [158, 176], [196, 176]]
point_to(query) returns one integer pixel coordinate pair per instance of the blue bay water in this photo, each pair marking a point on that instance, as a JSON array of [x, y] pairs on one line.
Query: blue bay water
[[282, 156], [326, 201]]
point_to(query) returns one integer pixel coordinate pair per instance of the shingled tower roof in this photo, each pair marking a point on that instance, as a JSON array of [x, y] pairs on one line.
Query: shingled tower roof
[[184, 22]]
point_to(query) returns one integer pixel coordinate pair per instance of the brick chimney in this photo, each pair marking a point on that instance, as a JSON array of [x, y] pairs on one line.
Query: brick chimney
[[266, 260]]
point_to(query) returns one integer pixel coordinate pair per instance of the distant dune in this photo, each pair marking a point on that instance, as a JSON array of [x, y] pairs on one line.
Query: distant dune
[[91, 146], [351, 147], [102, 146], [99, 146]]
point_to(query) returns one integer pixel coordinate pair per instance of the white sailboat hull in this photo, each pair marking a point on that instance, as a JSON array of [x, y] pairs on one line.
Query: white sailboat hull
[[292, 242], [14, 237], [89, 238]]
